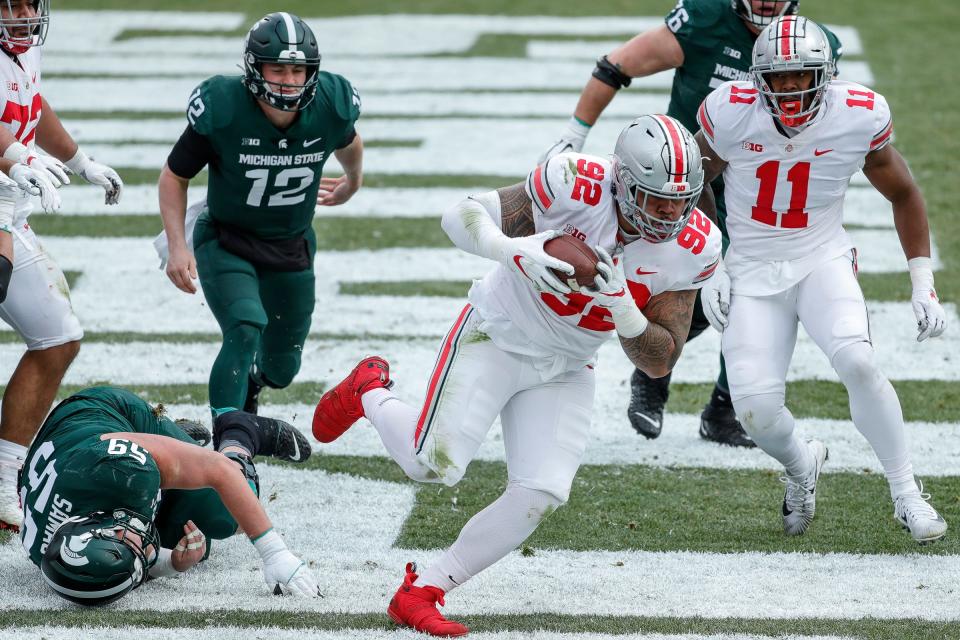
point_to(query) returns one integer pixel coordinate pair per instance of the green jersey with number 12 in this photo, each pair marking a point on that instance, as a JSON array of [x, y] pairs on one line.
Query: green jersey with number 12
[[265, 179]]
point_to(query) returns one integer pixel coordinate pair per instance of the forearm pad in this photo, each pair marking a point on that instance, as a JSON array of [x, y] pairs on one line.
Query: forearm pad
[[610, 74], [6, 271]]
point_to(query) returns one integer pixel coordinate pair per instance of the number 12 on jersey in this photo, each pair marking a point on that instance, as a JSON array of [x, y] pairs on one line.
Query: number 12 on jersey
[[293, 195]]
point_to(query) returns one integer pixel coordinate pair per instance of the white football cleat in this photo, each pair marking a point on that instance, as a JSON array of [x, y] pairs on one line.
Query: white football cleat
[[912, 510], [11, 515], [800, 496]]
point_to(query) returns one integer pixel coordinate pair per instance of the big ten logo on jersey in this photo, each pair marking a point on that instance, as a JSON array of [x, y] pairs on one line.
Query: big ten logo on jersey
[[694, 235], [752, 146], [571, 230], [22, 119], [586, 183]]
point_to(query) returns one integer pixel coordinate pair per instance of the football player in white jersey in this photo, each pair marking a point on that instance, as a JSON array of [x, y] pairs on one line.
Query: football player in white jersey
[[37, 302], [787, 144], [525, 345]]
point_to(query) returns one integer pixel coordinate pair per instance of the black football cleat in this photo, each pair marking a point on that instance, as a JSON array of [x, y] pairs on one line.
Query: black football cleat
[[647, 399], [199, 433], [719, 424], [281, 440]]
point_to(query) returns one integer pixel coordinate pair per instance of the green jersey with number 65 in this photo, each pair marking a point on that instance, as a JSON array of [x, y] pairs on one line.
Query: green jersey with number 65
[[717, 47], [264, 180], [70, 471]]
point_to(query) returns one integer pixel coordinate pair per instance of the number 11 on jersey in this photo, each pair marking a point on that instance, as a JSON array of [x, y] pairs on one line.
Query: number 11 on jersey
[[799, 177]]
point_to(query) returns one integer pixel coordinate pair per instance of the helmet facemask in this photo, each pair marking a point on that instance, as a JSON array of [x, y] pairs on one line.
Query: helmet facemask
[[71, 564], [633, 198], [792, 44], [271, 92], [281, 38], [768, 13], [655, 156], [17, 35]]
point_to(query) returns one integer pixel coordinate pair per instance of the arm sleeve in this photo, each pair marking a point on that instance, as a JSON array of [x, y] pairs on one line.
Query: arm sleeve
[[190, 154], [348, 138]]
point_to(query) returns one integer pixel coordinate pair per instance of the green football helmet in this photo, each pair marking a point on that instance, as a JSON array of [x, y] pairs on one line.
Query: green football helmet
[[281, 38], [91, 561]]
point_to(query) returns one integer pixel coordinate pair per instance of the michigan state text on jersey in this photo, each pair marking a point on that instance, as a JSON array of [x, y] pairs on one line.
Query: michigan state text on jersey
[[265, 137]]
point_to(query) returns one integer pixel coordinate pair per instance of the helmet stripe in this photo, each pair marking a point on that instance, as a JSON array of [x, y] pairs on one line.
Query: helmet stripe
[[786, 33], [291, 31], [678, 150], [87, 595]]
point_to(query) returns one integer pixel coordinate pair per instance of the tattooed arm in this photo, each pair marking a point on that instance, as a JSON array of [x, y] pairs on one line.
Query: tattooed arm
[[516, 211], [657, 349]]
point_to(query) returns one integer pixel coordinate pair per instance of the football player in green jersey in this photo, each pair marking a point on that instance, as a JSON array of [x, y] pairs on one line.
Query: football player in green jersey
[[114, 492], [265, 136], [708, 42]]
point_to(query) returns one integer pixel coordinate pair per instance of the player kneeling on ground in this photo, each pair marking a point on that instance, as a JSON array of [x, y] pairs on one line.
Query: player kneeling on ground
[[787, 144], [113, 493], [525, 346]]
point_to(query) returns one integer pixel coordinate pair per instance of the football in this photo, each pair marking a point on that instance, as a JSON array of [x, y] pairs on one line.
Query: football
[[577, 254]]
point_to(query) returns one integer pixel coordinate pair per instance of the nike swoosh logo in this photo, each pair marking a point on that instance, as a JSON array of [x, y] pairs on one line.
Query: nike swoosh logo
[[816, 152], [647, 418], [296, 450], [641, 272], [307, 143]]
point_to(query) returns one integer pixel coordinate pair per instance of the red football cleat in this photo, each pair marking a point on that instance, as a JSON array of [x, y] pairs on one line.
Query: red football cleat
[[417, 607], [340, 407]]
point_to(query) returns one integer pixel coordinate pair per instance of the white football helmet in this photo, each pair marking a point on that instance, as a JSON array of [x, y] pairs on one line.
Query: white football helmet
[[25, 27], [792, 43], [760, 13], [656, 156]]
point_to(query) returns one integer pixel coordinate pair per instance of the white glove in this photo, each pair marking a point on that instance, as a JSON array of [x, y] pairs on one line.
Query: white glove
[[55, 170], [99, 174], [931, 318], [36, 182], [610, 290], [526, 256], [572, 139], [284, 572], [715, 298]]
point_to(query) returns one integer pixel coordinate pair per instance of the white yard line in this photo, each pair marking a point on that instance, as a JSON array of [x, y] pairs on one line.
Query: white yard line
[[935, 446], [345, 527], [387, 35], [280, 633], [864, 206], [892, 325]]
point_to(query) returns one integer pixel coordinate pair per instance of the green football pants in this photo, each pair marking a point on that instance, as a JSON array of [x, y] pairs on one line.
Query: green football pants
[[264, 317]]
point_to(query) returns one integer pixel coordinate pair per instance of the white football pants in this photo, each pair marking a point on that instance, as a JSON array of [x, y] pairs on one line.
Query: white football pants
[[545, 429], [758, 346], [38, 301]]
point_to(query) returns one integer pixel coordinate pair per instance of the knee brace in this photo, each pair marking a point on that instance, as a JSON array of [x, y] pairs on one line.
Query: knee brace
[[761, 414], [6, 270], [236, 428], [248, 469]]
